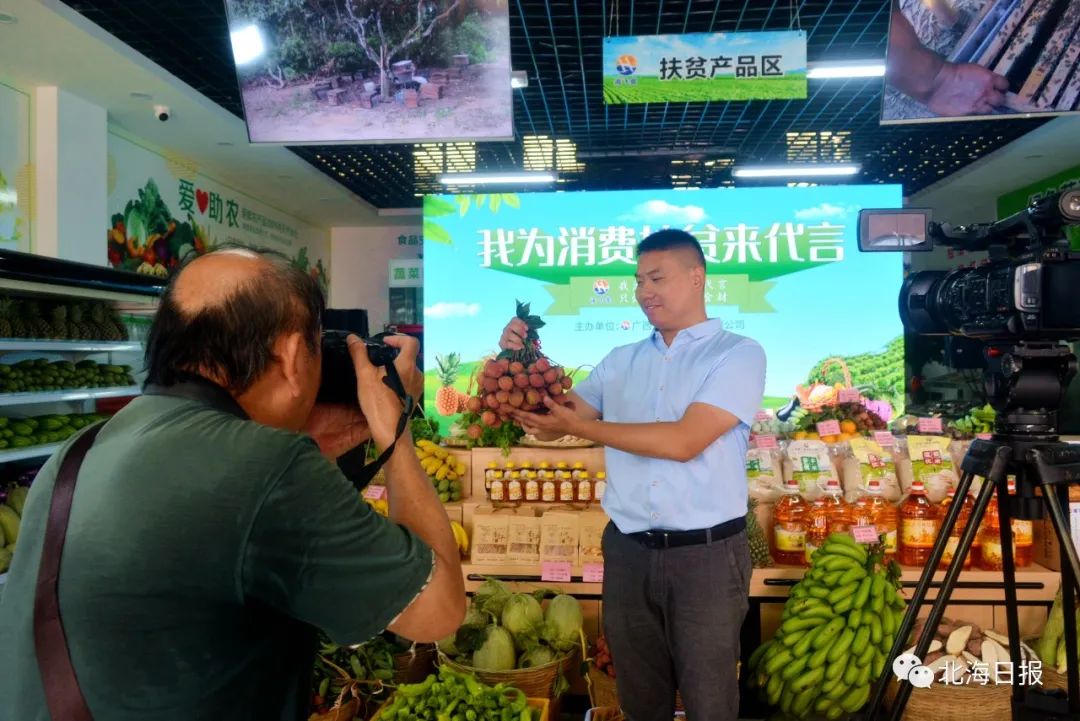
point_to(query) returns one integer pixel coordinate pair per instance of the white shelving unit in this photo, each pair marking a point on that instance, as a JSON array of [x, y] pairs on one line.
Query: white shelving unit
[[75, 394], [68, 346], [10, 455]]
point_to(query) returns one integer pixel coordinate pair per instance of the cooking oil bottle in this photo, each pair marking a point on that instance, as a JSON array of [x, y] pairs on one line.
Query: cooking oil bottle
[[1023, 535], [919, 526], [874, 510], [966, 506], [830, 513], [790, 526], [990, 555]]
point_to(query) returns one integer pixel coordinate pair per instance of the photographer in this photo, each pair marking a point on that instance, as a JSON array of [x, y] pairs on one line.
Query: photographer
[[209, 537]]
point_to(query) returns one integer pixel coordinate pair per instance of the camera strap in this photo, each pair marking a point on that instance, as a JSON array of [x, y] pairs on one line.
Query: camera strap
[[352, 464]]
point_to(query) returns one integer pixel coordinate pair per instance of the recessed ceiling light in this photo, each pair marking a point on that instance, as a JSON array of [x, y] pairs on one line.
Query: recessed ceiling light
[[6, 19], [142, 96]]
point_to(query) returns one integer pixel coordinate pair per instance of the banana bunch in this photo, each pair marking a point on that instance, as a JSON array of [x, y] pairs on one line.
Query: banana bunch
[[379, 505], [446, 471], [10, 519], [838, 626], [462, 538]]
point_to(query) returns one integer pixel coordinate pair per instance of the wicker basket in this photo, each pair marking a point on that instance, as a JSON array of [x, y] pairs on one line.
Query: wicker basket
[[603, 694], [538, 682], [414, 666], [951, 702]]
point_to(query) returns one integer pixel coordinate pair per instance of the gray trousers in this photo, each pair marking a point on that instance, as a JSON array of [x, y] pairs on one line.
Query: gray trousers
[[672, 619]]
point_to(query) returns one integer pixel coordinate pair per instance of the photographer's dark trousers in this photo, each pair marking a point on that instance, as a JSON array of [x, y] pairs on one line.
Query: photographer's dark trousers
[[672, 617]]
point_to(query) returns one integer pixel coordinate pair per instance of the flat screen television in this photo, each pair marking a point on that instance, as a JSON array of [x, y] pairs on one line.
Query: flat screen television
[[373, 71], [981, 59]]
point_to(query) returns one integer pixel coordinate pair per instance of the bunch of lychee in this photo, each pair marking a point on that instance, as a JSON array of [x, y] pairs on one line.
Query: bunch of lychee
[[509, 385]]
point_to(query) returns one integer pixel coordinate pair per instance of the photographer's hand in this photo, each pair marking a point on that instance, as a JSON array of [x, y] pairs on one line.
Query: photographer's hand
[[380, 405], [337, 428]]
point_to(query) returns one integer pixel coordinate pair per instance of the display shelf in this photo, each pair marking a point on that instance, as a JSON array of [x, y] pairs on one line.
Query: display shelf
[[74, 394], [25, 454], [10, 345], [526, 575]]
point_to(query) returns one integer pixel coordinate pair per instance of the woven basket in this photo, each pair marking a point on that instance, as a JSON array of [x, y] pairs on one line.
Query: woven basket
[[414, 666], [951, 702], [538, 682]]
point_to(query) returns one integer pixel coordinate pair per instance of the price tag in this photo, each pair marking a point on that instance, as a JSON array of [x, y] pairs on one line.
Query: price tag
[[555, 571], [593, 573], [765, 441], [865, 534], [929, 425], [828, 428], [984, 436], [762, 417], [848, 395], [375, 493], [885, 439]]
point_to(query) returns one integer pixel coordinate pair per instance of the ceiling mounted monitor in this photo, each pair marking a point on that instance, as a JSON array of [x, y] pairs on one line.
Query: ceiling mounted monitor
[[373, 71], [981, 59]]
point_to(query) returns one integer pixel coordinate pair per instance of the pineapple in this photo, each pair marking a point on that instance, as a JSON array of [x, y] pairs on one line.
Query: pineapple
[[38, 327], [7, 309], [755, 537], [77, 328], [446, 399], [102, 322], [59, 322], [19, 327]]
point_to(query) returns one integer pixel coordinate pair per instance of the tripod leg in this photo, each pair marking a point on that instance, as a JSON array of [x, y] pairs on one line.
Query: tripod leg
[[918, 598], [1008, 570], [1057, 498]]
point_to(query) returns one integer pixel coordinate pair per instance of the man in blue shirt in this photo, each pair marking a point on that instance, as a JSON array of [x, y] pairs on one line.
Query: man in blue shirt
[[674, 413]]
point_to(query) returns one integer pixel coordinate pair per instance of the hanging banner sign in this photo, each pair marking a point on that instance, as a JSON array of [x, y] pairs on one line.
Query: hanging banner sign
[[705, 66]]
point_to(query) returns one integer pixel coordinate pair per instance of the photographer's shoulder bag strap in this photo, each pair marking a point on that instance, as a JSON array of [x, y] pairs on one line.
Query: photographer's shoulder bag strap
[[63, 696]]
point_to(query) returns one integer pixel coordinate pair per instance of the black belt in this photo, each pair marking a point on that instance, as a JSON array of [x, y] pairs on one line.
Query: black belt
[[674, 539]]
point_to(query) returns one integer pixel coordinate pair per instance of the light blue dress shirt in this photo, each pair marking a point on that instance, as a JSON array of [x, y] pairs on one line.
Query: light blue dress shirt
[[648, 382]]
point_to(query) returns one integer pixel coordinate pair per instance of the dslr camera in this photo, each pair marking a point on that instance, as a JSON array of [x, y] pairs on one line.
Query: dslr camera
[[1026, 291], [339, 373]]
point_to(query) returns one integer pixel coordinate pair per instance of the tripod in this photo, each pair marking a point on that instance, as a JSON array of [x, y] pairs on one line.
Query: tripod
[[1025, 382]]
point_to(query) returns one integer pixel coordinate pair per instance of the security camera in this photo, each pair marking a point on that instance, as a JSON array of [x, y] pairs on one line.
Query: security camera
[[161, 112]]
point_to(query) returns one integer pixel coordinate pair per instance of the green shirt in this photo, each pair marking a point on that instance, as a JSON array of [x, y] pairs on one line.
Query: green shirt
[[202, 552]]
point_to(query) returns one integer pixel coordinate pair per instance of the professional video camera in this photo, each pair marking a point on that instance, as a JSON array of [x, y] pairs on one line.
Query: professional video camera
[[1026, 290]]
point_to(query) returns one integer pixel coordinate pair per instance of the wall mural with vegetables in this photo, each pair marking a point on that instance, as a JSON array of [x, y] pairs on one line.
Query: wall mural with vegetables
[[14, 169], [782, 267], [162, 211]]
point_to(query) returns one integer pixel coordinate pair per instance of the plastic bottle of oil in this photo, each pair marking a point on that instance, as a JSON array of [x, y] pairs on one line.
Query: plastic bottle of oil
[[790, 526], [990, 555], [1023, 535], [966, 507], [830, 513], [874, 510], [919, 526]]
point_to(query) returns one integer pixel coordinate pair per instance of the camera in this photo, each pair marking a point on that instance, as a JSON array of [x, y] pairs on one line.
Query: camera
[[338, 372], [161, 112], [1025, 290]]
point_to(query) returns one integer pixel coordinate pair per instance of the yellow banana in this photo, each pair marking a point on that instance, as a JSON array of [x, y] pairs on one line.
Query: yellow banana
[[461, 537], [460, 468], [441, 452], [441, 473]]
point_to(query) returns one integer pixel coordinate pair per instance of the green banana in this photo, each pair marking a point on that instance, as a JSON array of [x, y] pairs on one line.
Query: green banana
[[856, 699], [839, 563], [756, 656], [861, 642], [876, 634], [17, 498], [828, 633], [808, 680], [840, 593], [793, 669], [845, 604], [864, 592], [836, 670], [858, 573], [773, 689], [855, 618], [841, 646], [888, 624], [803, 646], [778, 661], [9, 524], [842, 549], [851, 673], [819, 656], [801, 704]]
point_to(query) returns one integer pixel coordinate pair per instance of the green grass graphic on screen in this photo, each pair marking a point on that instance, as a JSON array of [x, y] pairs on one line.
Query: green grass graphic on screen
[[654, 90]]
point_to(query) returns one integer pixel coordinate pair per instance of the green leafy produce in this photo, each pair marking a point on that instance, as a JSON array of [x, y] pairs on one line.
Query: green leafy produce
[[424, 429], [490, 598], [497, 653], [523, 617], [452, 695], [536, 656], [563, 623], [371, 663]]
